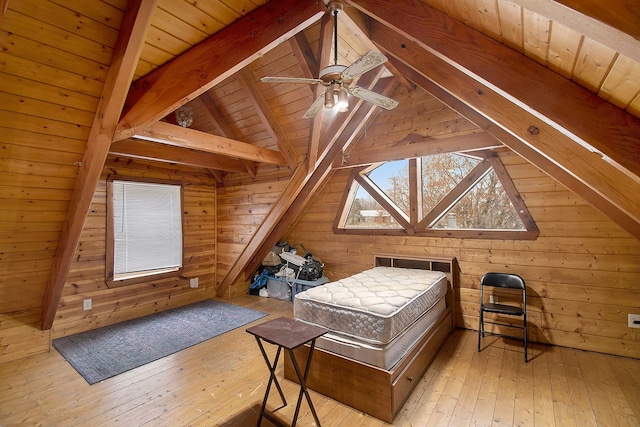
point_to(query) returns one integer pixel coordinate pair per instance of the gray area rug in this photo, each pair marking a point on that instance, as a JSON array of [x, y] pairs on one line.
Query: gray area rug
[[105, 352]]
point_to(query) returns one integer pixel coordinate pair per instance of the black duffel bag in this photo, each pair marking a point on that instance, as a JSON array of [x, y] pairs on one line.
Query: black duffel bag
[[310, 270]]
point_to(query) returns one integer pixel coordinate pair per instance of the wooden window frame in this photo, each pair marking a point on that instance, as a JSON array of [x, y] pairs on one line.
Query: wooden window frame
[[411, 225]]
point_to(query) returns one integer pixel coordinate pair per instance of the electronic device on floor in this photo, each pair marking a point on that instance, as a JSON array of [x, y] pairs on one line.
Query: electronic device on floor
[[293, 258]]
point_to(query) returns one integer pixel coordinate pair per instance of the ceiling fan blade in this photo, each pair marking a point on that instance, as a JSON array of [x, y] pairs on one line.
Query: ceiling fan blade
[[373, 97], [368, 62], [315, 108], [297, 80]]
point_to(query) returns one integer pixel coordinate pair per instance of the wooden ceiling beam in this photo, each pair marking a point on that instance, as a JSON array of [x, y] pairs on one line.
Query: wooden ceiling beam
[[354, 20], [564, 107], [303, 52], [217, 174], [263, 109], [324, 58], [415, 146], [251, 169], [223, 127], [215, 116], [613, 23], [213, 60], [133, 31], [527, 152], [178, 136], [140, 149], [590, 139]]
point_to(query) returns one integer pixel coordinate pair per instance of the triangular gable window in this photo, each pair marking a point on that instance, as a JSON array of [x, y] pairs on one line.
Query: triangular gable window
[[460, 196]]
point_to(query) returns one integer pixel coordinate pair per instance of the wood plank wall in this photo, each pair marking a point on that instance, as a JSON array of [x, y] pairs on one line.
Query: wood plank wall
[[53, 62], [86, 277], [243, 204]]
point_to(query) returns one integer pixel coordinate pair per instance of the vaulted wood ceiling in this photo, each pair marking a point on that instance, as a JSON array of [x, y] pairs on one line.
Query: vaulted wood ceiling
[[557, 82]]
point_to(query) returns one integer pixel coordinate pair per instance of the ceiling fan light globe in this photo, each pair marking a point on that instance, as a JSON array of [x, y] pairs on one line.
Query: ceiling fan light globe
[[343, 101], [329, 99]]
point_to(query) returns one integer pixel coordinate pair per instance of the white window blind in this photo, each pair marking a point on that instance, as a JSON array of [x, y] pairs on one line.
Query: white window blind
[[147, 222]]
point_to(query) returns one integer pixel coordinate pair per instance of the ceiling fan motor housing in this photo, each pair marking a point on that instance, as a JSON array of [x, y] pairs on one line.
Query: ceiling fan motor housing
[[335, 7], [333, 73]]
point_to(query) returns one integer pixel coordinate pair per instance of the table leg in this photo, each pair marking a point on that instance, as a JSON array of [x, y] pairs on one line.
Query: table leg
[[272, 379], [303, 385]]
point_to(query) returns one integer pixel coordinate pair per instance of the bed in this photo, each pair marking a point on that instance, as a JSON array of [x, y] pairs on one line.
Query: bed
[[386, 325]]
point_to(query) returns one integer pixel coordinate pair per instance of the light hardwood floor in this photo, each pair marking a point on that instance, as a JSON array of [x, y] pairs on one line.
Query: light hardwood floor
[[222, 382]]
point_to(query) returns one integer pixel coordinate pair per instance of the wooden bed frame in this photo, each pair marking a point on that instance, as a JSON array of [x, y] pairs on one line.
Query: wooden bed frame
[[372, 390]]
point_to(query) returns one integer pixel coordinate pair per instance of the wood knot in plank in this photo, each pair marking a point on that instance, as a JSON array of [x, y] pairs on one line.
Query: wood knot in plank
[[533, 130]]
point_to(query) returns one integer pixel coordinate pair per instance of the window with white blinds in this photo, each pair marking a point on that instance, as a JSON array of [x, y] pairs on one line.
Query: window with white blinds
[[147, 228]]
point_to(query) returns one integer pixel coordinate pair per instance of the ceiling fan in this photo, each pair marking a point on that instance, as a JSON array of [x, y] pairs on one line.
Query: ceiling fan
[[338, 79]]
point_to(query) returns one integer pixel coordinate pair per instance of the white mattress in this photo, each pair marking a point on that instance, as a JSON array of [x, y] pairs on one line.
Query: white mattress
[[383, 356], [373, 306]]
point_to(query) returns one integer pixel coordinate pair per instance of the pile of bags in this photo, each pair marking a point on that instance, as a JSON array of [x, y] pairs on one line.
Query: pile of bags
[[284, 261]]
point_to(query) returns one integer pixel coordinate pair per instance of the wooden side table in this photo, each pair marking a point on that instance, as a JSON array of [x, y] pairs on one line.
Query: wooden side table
[[288, 334]]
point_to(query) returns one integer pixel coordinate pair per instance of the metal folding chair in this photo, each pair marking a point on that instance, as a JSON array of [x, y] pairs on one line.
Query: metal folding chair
[[505, 281]]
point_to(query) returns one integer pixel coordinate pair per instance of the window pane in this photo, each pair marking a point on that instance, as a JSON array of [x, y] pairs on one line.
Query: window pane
[[440, 174], [485, 207], [365, 212], [392, 178], [147, 227]]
